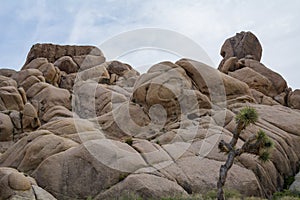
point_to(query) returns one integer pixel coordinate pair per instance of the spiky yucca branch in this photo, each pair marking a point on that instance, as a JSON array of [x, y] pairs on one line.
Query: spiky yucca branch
[[258, 144]]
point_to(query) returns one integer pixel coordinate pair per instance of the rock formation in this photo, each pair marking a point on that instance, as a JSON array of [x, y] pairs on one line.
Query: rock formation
[[81, 126]]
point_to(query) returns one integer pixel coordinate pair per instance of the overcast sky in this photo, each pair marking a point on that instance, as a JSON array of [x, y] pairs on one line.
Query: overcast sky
[[208, 23]]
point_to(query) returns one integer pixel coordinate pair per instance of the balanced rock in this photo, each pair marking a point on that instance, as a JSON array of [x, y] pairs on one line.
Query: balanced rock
[[241, 45]]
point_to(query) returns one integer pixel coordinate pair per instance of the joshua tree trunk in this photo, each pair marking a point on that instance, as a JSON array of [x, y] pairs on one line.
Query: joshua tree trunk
[[230, 159], [223, 174], [258, 144]]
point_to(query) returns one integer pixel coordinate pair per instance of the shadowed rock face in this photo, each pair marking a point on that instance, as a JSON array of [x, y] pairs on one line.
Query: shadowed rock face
[[81, 126]]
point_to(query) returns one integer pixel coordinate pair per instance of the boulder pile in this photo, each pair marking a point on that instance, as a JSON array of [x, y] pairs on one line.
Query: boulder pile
[[74, 126]]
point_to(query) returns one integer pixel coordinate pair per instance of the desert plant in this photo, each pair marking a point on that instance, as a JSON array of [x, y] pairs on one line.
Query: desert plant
[[259, 144], [129, 141], [228, 193], [130, 196], [286, 194], [123, 176]]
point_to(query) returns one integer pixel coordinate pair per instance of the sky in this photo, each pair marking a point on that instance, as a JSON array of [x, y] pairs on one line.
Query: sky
[[205, 22]]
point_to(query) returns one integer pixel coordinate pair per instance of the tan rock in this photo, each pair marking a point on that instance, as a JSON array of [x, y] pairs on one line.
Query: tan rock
[[92, 99], [16, 186], [241, 45], [15, 117], [53, 52], [30, 120], [67, 81], [67, 126], [198, 175], [57, 112], [126, 120], [5, 81], [28, 77], [235, 89], [253, 79], [260, 98], [23, 94], [6, 128], [51, 73], [74, 172], [118, 68], [282, 98], [10, 99], [47, 96], [31, 150], [146, 186], [41, 194], [290, 117], [294, 99], [97, 73], [18, 181], [7, 72], [66, 64], [217, 86], [278, 83], [88, 61], [35, 64], [231, 64], [168, 85], [154, 155]]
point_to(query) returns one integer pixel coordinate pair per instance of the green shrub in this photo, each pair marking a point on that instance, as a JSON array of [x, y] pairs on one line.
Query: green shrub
[[129, 141], [288, 182], [286, 194], [130, 196], [229, 194], [123, 176], [191, 197]]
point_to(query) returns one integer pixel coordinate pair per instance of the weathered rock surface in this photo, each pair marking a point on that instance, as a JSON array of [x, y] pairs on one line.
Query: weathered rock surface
[[241, 45], [54, 52], [66, 64], [15, 185], [294, 99], [146, 186], [86, 127], [49, 71], [6, 128]]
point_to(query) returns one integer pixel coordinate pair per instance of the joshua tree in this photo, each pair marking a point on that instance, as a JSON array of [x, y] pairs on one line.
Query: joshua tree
[[259, 144]]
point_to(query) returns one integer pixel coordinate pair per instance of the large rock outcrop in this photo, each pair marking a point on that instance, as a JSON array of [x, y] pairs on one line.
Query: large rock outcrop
[[241, 60], [85, 127]]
